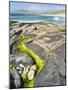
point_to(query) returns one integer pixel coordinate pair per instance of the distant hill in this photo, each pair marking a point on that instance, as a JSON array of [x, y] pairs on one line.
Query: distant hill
[[59, 12], [55, 12]]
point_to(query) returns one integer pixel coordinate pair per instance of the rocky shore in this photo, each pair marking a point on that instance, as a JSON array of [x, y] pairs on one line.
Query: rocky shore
[[48, 42]]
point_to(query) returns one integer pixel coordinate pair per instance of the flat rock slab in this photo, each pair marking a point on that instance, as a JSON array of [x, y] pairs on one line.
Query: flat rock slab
[[61, 51], [52, 74], [38, 50]]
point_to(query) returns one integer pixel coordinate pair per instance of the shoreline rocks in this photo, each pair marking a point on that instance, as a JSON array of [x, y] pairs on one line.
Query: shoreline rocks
[[47, 41]]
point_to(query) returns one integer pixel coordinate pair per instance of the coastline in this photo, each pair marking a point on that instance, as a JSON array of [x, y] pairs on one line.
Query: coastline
[[58, 15], [36, 22], [56, 19]]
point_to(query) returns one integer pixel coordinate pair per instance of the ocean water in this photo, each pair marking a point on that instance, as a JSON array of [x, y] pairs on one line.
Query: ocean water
[[34, 18]]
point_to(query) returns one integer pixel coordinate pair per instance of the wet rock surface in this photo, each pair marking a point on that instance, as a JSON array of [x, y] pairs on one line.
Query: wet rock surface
[[15, 80], [49, 42], [38, 50], [24, 59], [52, 74]]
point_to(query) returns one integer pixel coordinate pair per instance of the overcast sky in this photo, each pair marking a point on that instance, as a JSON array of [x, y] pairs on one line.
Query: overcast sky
[[35, 7]]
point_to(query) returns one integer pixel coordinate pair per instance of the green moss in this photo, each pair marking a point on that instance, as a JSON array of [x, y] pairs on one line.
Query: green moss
[[22, 38], [39, 62]]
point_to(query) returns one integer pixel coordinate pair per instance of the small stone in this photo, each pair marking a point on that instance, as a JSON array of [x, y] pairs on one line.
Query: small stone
[[33, 67], [19, 72], [31, 74], [21, 65], [18, 68]]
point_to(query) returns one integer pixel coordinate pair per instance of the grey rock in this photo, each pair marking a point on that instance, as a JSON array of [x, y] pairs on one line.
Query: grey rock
[[61, 65], [53, 73], [17, 83], [38, 50], [25, 59], [16, 79], [49, 76], [14, 73], [61, 51]]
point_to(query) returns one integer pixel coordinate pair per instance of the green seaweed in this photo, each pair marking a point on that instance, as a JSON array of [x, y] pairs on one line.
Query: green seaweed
[[38, 61], [29, 83]]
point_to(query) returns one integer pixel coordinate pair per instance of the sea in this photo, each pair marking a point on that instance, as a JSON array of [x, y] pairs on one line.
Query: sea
[[36, 18]]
